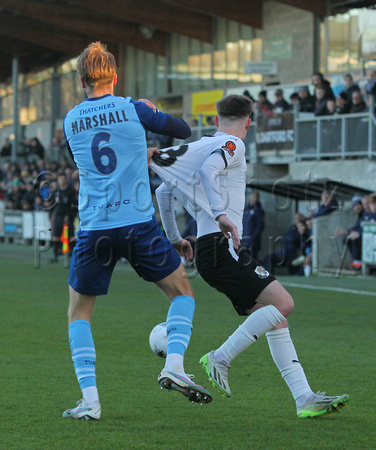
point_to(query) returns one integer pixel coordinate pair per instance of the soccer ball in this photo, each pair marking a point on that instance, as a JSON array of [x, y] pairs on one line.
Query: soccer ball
[[158, 340]]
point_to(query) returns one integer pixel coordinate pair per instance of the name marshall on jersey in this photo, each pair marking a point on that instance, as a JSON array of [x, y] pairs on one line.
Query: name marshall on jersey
[[98, 120]]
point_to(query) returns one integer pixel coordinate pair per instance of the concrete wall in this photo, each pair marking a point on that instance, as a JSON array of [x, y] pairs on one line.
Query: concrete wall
[[327, 248], [280, 19], [357, 172]]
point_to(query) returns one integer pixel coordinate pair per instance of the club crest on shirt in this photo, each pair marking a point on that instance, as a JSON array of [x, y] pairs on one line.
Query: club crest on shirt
[[261, 272], [229, 147]]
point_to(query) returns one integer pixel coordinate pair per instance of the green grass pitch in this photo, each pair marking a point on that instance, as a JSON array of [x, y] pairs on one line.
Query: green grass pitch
[[333, 331]]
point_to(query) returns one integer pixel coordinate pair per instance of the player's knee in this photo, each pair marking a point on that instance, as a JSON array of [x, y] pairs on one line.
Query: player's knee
[[286, 304]]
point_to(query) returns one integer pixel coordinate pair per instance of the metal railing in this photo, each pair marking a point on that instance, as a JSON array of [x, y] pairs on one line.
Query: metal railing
[[339, 136], [335, 136]]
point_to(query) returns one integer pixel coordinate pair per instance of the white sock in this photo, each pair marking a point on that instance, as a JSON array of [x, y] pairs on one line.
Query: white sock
[[307, 271], [175, 363], [90, 395], [286, 359], [256, 325]]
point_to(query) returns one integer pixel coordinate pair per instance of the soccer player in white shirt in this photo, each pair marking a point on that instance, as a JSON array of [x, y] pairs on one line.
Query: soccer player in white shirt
[[209, 178]]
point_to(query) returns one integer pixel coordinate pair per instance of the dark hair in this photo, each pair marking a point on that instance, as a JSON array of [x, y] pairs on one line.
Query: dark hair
[[246, 93], [319, 74], [294, 95], [234, 107], [343, 96]]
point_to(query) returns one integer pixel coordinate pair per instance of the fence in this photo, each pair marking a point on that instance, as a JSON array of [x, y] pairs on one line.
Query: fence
[[342, 136], [24, 225], [303, 136]]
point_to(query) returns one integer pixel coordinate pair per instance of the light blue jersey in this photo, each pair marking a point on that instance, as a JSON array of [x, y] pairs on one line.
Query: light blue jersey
[[106, 137]]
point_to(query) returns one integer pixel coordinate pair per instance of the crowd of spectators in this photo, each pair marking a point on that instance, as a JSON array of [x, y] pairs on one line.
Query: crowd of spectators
[[30, 186], [319, 99], [37, 184], [352, 99]]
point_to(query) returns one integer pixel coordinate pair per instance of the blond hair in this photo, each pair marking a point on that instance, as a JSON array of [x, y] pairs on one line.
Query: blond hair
[[96, 66]]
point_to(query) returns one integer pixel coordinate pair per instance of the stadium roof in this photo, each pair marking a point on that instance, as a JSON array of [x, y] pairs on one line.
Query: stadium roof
[[308, 190], [45, 32]]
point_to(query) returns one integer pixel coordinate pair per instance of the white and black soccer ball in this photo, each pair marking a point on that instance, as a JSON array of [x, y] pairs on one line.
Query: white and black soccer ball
[[158, 340]]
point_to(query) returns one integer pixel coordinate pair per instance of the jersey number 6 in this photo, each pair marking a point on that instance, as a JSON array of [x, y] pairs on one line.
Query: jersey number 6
[[104, 158]]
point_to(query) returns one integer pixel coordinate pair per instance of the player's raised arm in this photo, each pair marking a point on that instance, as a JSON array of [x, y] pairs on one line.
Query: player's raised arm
[[159, 122]]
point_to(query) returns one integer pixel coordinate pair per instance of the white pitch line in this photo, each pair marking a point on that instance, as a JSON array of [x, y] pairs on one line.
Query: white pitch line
[[328, 288]]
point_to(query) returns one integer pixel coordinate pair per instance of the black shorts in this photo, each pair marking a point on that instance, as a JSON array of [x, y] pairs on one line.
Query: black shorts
[[58, 222], [242, 281]]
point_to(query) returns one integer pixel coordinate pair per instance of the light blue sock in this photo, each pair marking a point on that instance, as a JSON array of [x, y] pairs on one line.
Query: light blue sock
[[179, 324], [83, 352]]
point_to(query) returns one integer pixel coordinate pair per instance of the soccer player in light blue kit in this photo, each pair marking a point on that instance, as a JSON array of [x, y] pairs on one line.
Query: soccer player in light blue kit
[[105, 135]]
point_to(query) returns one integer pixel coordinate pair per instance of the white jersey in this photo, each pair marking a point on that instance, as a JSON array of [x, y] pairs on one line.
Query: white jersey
[[179, 167]]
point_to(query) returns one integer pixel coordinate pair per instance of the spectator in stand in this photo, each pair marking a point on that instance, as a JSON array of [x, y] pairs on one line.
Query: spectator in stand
[[365, 203], [330, 107], [319, 80], [328, 204], [350, 88], [247, 94], [27, 199], [353, 235], [322, 97], [307, 265], [6, 150], [371, 216], [64, 162], [307, 102], [280, 104], [263, 105], [37, 148], [25, 148], [14, 195], [304, 260], [253, 225], [294, 99], [358, 103], [370, 87], [291, 246], [342, 104], [367, 99], [58, 147]]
